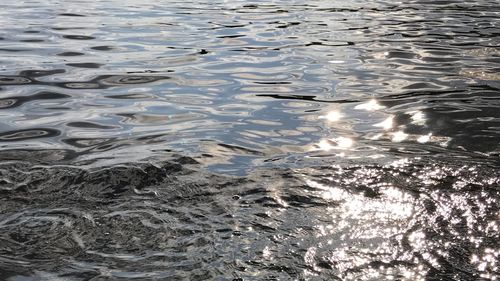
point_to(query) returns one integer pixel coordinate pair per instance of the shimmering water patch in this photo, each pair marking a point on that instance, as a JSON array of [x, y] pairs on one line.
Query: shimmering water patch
[[409, 220]]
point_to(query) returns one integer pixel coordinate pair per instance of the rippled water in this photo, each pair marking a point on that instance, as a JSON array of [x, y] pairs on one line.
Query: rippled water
[[249, 140]]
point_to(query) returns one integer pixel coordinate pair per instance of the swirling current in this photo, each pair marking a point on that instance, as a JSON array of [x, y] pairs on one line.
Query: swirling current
[[249, 140]]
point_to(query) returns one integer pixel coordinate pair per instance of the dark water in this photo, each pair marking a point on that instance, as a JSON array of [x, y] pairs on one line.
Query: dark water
[[249, 140]]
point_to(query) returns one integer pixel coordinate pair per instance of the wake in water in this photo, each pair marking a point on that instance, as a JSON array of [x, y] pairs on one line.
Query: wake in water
[[409, 220]]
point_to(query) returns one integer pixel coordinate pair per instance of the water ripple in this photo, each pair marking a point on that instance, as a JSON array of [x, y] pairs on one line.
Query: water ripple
[[402, 97], [406, 220]]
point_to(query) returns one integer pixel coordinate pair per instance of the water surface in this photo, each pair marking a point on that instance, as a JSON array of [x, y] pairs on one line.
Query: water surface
[[249, 140]]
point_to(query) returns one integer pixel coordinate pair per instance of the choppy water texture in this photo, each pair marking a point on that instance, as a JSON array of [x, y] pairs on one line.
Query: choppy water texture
[[249, 140]]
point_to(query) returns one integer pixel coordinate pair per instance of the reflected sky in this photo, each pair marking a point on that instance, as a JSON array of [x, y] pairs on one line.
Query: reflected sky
[[274, 78]]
